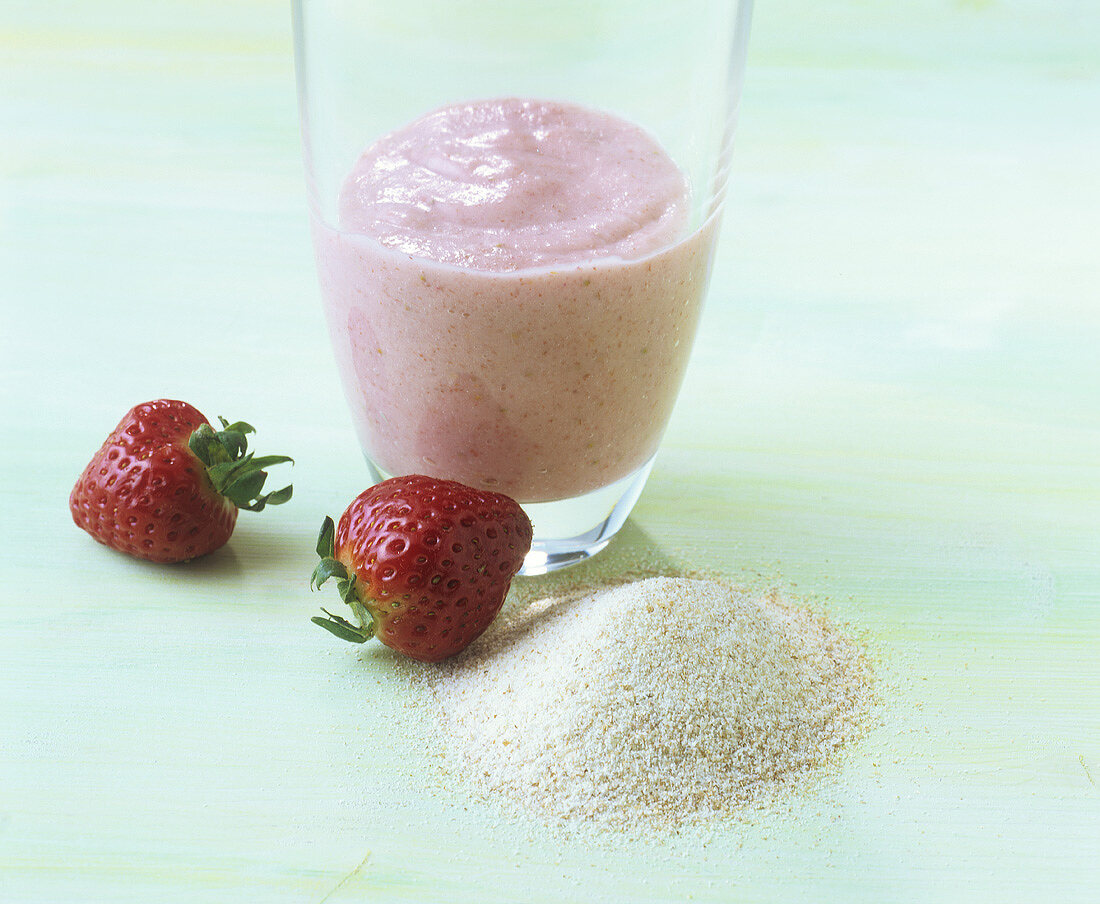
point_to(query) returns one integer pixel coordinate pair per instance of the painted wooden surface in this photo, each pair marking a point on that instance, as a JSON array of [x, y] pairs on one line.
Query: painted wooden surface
[[893, 409]]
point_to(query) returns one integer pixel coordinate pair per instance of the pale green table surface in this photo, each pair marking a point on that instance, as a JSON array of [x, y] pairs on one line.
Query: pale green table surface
[[893, 410]]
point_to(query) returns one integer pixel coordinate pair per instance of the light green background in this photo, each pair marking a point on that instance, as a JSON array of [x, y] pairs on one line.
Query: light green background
[[893, 409]]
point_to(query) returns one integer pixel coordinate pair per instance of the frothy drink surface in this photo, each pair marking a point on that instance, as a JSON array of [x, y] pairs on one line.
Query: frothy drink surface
[[515, 184], [512, 296]]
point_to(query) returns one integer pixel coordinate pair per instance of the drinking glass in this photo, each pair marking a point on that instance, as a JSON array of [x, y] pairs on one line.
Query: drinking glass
[[550, 382]]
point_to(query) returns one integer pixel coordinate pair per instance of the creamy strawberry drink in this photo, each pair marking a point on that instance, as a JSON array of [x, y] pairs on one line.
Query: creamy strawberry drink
[[512, 291]]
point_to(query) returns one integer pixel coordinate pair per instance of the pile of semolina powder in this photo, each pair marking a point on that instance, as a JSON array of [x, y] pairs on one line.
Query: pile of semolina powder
[[662, 702]]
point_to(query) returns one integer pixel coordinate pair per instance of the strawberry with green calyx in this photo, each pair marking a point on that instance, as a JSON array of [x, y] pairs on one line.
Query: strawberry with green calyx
[[424, 564], [166, 487]]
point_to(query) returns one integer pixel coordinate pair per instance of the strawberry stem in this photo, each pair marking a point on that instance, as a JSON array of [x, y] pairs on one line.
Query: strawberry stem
[[236, 473], [331, 567]]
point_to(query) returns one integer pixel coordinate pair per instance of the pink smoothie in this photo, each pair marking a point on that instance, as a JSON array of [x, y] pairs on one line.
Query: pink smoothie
[[512, 294]]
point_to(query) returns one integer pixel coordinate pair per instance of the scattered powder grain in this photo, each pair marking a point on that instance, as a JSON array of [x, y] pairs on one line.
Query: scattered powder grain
[[661, 702]]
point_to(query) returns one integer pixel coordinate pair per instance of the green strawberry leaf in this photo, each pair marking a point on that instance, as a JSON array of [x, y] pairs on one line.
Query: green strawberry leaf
[[326, 539], [331, 567], [234, 443], [266, 461], [278, 497], [327, 568], [342, 628], [346, 587], [204, 443], [237, 427], [236, 473], [223, 473], [245, 489]]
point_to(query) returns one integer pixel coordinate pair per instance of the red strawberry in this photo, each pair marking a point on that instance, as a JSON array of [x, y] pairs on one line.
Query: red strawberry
[[166, 487], [423, 563]]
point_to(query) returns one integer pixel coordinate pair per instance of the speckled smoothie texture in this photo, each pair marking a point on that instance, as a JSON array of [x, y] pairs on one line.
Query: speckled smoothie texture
[[512, 297]]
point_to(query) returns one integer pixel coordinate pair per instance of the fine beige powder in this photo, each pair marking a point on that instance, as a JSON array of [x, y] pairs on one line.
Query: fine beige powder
[[664, 701]]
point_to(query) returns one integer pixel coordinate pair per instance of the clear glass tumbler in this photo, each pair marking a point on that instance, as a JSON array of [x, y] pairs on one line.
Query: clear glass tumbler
[[514, 210]]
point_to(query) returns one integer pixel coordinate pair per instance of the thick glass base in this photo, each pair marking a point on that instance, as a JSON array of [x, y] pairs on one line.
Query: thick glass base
[[572, 530], [569, 531]]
